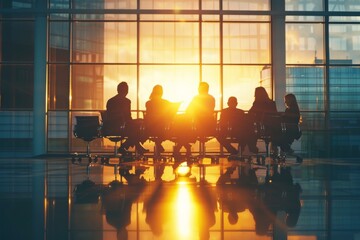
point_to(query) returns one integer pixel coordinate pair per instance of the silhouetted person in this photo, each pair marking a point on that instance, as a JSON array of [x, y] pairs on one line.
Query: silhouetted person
[[201, 109], [159, 114], [232, 125], [291, 118], [262, 106], [201, 113], [118, 113]]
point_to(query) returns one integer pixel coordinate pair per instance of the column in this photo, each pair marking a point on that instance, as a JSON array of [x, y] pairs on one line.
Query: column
[[278, 52], [40, 80]]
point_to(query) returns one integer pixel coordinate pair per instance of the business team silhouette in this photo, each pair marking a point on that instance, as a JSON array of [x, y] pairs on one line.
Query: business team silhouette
[[161, 121]]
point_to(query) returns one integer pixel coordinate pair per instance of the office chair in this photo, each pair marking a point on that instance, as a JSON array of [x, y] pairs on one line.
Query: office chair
[[115, 132], [86, 128]]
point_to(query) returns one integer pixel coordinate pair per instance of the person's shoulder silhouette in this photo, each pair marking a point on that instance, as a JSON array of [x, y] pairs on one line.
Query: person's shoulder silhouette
[[118, 107], [262, 103]]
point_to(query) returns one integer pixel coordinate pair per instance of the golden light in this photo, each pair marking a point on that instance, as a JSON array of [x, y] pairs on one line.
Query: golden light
[[180, 82], [183, 169], [184, 212]]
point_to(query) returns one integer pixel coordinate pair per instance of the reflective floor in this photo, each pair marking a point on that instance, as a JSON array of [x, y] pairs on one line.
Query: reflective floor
[[56, 199]]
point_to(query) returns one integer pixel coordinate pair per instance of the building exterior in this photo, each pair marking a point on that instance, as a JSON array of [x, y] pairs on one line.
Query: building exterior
[[63, 58]]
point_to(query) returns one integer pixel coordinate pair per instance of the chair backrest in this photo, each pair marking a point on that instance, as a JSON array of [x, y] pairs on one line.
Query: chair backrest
[[87, 127], [271, 125], [205, 126], [111, 127]]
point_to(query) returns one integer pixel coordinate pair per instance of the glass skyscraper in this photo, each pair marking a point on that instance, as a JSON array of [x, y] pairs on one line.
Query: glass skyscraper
[[63, 58]]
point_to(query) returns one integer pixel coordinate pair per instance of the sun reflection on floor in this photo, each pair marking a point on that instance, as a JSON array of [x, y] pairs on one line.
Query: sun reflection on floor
[[184, 211]]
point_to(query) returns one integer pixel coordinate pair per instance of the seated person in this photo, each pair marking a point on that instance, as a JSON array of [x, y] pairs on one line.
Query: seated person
[[118, 113], [158, 115], [262, 105], [200, 113], [291, 118], [234, 118]]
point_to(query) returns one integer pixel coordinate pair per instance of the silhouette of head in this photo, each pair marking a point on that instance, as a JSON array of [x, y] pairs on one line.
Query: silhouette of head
[[233, 218], [290, 100], [123, 89], [261, 94], [203, 88], [157, 92], [232, 102]]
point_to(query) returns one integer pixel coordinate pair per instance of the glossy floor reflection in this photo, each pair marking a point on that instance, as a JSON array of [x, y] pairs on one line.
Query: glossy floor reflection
[[56, 199]]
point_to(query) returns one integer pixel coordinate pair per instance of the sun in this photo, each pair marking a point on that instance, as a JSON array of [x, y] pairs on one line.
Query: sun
[[179, 83]]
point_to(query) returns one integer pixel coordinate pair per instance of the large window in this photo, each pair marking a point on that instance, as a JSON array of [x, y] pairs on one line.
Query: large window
[[93, 45], [16, 68]]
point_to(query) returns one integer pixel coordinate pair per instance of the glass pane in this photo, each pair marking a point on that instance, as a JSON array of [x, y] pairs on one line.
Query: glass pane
[[169, 17], [312, 121], [210, 4], [246, 43], [59, 16], [344, 120], [93, 85], [344, 5], [307, 83], [87, 87], [120, 4], [304, 43], [16, 4], [60, 4], [89, 4], [58, 87], [240, 82], [304, 5], [210, 18], [180, 83], [344, 88], [113, 75], [88, 42], [17, 86], [304, 19], [59, 42], [246, 5], [266, 80], [58, 131], [344, 43], [211, 75], [116, 17], [169, 42], [17, 41], [120, 42], [255, 18], [170, 4], [101, 4], [210, 43], [88, 16], [344, 19], [106, 17]]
